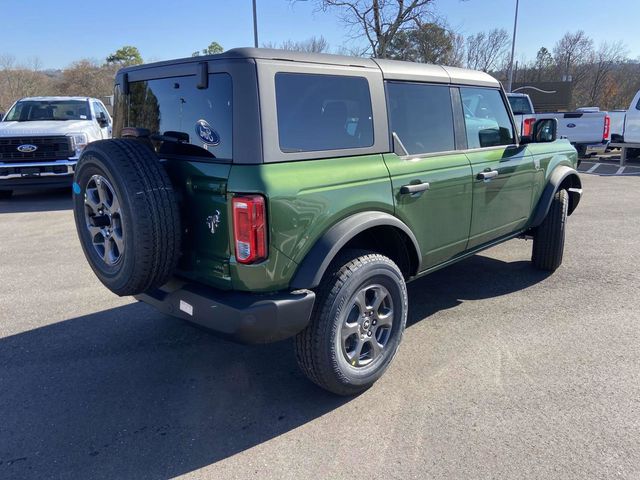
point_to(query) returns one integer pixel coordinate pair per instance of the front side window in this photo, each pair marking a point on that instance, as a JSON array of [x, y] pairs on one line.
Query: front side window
[[183, 119], [37, 110], [421, 116], [486, 118], [323, 112]]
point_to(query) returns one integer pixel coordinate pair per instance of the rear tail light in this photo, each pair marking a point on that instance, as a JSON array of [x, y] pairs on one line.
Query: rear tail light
[[250, 228], [527, 127], [607, 128]]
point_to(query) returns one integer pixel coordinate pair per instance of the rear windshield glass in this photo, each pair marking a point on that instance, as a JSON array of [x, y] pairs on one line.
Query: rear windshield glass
[[37, 110], [520, 105], [323, 112], [182, 119]]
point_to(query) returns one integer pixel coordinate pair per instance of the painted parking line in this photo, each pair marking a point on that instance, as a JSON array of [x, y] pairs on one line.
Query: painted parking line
[[610, 170]]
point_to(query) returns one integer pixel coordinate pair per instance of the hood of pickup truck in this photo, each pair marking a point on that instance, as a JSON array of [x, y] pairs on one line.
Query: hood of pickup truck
[[43, 127]]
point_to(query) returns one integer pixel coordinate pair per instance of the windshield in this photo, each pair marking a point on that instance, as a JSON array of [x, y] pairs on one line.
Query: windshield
[[520, 105], [36, 110]]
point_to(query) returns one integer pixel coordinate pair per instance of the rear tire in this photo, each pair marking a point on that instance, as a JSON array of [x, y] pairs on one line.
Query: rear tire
[[357, 323], [5, 194], [548, 239], [126, 216]]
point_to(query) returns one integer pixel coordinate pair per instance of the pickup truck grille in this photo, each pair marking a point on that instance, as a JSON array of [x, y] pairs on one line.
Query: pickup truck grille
[[49, 148]]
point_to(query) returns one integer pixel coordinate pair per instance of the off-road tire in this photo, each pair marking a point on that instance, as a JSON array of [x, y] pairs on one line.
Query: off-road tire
[[316, 350], [149, 211], [548, 238], [5, 194]]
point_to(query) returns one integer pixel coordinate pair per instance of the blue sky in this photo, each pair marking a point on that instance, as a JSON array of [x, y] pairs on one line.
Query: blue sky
[[61, 31]]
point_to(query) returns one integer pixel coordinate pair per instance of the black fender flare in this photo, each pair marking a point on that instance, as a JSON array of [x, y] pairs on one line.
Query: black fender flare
[[312, 268], [557, 178]]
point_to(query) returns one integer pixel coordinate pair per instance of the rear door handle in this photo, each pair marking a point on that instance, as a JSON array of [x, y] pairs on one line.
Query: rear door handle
[[414, 188], [487, 175]]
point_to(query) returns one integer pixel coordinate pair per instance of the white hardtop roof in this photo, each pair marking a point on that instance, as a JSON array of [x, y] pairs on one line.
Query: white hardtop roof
[[53, 99], [423, 72], [391, 69]]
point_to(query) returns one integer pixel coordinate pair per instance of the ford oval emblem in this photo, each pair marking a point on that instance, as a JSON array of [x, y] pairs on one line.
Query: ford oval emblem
[[27, 148], [206, 133], [571, 125]]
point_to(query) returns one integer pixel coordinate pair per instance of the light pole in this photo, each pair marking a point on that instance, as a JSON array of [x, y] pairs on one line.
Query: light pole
[[255, 25], [513, 48]]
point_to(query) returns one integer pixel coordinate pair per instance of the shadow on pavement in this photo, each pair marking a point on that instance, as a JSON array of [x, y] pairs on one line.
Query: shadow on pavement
[[37, 201], [129, 393], [476, 278]]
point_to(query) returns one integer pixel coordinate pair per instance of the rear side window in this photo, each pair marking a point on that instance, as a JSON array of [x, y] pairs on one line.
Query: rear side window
[[184, 120], [323, 112], [422, 116], [486, 118], [520, 105]]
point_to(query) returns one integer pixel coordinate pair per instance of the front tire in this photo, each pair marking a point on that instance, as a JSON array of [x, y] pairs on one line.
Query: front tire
[[548, 239], [357, 323]]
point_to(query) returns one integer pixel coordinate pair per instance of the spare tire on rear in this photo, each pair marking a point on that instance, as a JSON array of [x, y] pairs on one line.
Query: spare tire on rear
[[126, 215]]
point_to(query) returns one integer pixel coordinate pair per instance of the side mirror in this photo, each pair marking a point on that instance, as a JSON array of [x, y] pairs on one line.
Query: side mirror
[[1, 115], [544, 130], [102, 120]]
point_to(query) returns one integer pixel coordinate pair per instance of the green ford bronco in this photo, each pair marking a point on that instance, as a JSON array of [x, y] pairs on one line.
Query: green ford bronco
[[266, 194]]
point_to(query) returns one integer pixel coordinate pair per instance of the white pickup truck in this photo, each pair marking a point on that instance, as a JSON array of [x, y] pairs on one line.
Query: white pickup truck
[[41, 139], [587, 129], [631, 133]]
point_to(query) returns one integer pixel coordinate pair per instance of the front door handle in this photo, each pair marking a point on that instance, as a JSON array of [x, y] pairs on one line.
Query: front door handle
[[414, 188], [487, 175]]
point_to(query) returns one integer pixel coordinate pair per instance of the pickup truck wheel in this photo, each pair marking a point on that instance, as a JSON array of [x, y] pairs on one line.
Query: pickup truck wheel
[[5, 194], [548, 239], [126, 216], [357, 323]]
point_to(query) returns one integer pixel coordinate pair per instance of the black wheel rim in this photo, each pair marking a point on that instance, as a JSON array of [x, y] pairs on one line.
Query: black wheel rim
[[103, 219], [366, 329]]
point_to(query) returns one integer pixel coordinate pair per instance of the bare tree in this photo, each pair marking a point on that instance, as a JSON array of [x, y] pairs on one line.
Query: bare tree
[[17, 81], [378, 20], [456, 57], [572, 53], [87, 78], [487, 51], [605, 59], [311, 45]]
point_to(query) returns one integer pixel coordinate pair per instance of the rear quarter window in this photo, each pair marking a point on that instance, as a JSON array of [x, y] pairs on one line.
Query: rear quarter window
[[174, 109], [323, 112]]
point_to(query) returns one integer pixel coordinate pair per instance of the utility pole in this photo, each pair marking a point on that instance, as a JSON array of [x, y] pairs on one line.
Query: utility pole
[[255, 25], [513, 48]]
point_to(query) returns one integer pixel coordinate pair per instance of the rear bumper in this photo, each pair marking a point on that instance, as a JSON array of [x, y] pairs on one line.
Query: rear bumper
[[243, 317], [30, 175], [596, 148]]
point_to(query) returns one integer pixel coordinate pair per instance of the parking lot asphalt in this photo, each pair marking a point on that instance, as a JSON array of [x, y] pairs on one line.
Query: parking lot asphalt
[[504, 371]]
